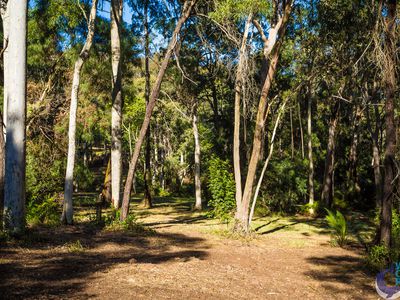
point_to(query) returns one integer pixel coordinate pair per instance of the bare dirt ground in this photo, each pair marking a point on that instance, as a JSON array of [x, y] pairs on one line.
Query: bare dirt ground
[[187, 256]]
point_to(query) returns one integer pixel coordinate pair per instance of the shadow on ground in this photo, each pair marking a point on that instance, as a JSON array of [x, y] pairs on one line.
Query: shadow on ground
[[29, 270], [348, 270]]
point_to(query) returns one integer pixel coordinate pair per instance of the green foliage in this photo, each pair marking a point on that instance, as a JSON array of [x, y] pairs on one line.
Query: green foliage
[[83, 177], [75, 247], [337, 223], [222, 187], [113, 223], [163, 193], [234, 9], [44, 212], [288, 174], [395, 251], [378, 257]]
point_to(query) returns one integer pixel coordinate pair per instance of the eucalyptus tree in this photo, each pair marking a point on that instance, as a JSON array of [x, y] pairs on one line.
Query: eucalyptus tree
[[14, 201], [116, 95], [186, 12], [67, 214], [271, 50]]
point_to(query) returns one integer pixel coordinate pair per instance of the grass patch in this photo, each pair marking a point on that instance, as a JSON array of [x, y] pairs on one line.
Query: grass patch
[[75, 247]]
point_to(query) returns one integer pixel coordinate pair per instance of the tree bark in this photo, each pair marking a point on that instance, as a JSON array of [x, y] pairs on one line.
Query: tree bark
[[67, 214], [389, 79], [14, 200], [5, 20], [291, 132], [327, 184], [187, 8], [147, 201], [5, 16], [197, 179], [310, 157], [117, 102], [301, 131], [376, 159], [238, 91], [271, 47], [354, 186]]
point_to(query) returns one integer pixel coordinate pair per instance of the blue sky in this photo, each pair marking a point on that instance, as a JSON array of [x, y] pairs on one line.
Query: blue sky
[[104, 11]]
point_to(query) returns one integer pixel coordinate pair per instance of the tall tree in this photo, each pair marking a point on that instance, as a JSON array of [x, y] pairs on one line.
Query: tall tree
[[197, 178], [327, 184], [186, 11], [271, 48], [5, 19], [14, 204], [117, 102], [240, 76], [389, 82], [147, 201], [310, 155], [67, 214]]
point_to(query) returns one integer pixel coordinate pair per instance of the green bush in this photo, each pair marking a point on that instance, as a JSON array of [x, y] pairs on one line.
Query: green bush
[[378, 257], [84, 177], [395, 251], [337, 223], [222, 188], [44, 212]]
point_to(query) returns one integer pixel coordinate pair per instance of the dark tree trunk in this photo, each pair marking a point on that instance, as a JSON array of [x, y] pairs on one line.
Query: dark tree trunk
[[389, 79], [327, 184]]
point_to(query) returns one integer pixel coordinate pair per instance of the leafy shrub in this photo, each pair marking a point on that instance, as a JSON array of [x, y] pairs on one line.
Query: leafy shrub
[[163, 193], [84, 177], [45, 212], [113, 223], [75, 247], [395, 251], [337, 223], [222, 188], [291, 175], [378, 257]]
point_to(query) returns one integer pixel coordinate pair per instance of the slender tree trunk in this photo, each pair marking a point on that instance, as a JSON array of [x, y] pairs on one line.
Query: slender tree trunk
[[147, 174], [2, 172], [376, 159], [354, 187], [117, 102], [187, 8], [14, 201], [67, 214], [197, 179], [238, 91], [310, 157], [272, 47], [327, 184], [271, 150], [5, 20], [5, 16], [301, 131], [291, 133], [389, 79]]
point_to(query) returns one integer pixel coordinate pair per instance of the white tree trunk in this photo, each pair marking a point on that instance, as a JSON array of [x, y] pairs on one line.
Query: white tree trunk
[[310, 159], [67, 214], [197, 180], [14, 204], [116, 110], [5, 16]]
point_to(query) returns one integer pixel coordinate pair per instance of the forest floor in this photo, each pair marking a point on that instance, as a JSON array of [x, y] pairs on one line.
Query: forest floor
[[183, 255]]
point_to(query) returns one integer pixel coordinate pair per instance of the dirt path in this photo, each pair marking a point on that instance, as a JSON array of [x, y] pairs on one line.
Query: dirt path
[[187, 257]]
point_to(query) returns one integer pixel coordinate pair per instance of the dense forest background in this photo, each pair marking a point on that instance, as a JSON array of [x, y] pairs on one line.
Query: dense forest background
[[265, 107]]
